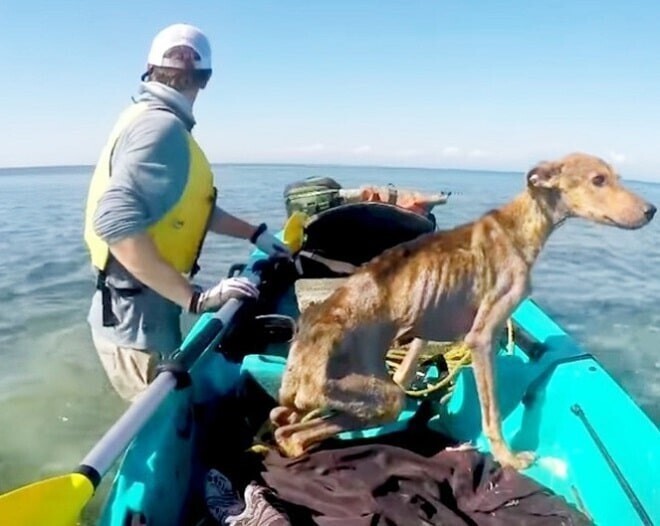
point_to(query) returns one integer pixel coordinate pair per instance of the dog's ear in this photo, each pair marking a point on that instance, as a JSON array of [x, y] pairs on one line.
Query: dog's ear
[[544, 175]]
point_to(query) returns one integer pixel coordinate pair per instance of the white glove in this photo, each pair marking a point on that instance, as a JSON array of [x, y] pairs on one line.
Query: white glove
[[213, 298], [268, 243]]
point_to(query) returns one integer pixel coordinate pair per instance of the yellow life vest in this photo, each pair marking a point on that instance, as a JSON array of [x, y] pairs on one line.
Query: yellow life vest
[[179, 235]]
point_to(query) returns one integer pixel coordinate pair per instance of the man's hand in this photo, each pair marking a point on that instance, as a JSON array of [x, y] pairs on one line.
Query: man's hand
[[213, 298], [268, 243]]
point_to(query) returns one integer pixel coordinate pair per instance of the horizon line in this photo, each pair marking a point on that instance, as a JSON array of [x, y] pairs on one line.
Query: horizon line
[[291, 163], [281, 163], [307, 164]]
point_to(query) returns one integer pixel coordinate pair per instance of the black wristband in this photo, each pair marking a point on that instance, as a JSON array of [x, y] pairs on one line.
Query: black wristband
[[194, 302], [260, 230]]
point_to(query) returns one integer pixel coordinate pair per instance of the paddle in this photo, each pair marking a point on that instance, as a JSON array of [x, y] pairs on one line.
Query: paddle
[[294, 231], [58, 501]]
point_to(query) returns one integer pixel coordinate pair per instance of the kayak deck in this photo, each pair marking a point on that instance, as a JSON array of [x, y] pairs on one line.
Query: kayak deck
[[537, 401], [538, 395]]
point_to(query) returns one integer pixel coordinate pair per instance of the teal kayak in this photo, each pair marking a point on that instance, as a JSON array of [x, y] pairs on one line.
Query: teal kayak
[[595, 447]]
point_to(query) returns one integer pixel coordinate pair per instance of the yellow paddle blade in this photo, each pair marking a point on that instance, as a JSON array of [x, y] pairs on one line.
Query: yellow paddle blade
[[56, 502], [294, 231]]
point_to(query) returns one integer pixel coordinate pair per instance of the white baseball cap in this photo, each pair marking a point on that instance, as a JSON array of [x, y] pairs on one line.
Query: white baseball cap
[[179, 35]]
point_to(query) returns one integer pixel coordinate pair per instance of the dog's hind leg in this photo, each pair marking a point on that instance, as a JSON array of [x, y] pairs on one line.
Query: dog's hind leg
[[294, 439], [352, 402]]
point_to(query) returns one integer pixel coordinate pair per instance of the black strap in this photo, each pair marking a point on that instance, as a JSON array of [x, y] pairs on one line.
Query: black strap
[[180, 372], [193, 306], [109, 319], [260, 230]]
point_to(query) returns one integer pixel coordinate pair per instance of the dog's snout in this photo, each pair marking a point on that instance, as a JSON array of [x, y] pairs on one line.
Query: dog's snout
[[649, 211]]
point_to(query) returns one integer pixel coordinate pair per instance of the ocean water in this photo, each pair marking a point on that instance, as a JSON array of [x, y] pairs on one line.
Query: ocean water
[[602, 284]]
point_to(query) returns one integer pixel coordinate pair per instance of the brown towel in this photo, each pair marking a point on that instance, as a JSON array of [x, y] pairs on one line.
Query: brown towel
[[379, 484]]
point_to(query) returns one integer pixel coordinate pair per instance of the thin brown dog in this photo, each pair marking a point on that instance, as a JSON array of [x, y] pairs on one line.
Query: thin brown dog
[[464, 282]]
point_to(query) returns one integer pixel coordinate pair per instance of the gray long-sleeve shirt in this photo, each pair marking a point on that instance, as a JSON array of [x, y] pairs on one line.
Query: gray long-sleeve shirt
[[149, 170]]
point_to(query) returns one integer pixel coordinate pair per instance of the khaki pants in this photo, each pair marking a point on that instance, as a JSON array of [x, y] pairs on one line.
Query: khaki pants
[[129, 370]]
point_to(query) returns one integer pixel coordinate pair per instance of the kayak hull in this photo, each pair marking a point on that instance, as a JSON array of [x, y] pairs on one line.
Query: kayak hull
[[594, 445]]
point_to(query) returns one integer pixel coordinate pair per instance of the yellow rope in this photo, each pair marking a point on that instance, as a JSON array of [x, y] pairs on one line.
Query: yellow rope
[[455, 354]]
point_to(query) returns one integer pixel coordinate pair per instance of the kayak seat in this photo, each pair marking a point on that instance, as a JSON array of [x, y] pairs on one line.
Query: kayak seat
[[267, 371]]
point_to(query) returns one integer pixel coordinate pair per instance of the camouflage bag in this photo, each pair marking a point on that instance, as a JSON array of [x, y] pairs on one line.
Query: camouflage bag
[[312, 195]]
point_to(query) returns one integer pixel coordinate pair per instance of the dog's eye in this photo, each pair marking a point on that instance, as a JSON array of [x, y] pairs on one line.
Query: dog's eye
[[599, 180]]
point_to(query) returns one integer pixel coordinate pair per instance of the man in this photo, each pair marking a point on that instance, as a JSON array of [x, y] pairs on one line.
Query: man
[[151, 201]]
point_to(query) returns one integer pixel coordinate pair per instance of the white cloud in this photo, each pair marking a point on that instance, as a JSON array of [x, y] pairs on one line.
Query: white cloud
[[450, 151]]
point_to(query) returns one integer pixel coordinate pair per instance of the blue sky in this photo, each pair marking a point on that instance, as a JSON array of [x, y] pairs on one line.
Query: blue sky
[[467, 84]]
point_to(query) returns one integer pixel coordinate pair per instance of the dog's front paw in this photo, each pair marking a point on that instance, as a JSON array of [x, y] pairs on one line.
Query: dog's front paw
[[517, 461]]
